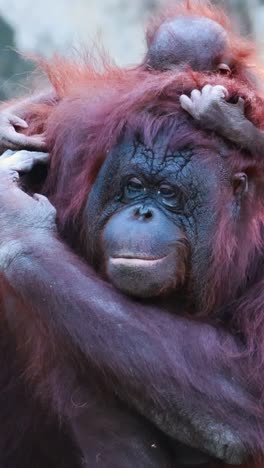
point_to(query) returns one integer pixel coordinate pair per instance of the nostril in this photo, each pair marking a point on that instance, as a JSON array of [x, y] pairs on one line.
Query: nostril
[[143, 213], [136, 213], [148, 214]]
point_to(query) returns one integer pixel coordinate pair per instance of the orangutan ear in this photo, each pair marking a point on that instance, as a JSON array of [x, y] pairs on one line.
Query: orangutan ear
[[240, 184]]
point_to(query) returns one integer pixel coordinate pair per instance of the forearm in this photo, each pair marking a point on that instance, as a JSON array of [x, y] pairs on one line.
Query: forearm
[[229, 121], [254, 140], [168, 367], [243, 133]]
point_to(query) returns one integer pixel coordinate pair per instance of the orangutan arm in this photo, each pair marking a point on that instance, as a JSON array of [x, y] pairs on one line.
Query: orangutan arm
[[211, 110], [188, 378]]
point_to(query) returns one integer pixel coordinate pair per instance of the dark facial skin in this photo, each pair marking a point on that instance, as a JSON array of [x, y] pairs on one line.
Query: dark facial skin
[[152, 211], [199, 43], [141, 241]]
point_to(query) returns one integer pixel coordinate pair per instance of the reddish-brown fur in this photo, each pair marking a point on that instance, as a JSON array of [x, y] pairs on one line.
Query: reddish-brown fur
[[96, 108], [114, 102]]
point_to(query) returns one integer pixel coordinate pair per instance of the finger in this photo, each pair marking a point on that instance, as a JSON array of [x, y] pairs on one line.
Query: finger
[[9, 144], [219, 92], [12, 139], [42, 199], [9, 174], [207, 89], [15, 176], [18, 161], [33, 156], [6, 154], [23, 160], [36, 143], [18, 122], [15, 140], [186, 102], [241, 104], [37, 196], [40, 157], [195, 95]]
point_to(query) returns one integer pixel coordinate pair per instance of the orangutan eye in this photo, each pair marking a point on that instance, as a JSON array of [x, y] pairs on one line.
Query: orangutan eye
[[224, 69], [168, 196], [166, 191], [134, 188]]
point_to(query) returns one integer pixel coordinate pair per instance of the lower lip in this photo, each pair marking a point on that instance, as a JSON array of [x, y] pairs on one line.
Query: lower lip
[[142, 262]]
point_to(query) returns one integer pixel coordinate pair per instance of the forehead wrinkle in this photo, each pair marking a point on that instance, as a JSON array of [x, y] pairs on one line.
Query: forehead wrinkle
[[184, 166], [159, 161]]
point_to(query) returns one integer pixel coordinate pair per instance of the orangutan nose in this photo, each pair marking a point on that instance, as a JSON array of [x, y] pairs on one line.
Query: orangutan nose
[[143, 213]]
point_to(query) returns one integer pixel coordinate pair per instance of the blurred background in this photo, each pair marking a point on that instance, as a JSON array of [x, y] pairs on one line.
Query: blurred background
[[45, 27]]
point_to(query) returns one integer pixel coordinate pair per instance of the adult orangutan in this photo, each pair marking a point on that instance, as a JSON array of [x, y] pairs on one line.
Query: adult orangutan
[[190, 208], [174, 217]]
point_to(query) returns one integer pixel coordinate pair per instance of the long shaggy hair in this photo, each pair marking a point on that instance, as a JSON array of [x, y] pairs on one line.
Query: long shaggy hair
[[97, 108]]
